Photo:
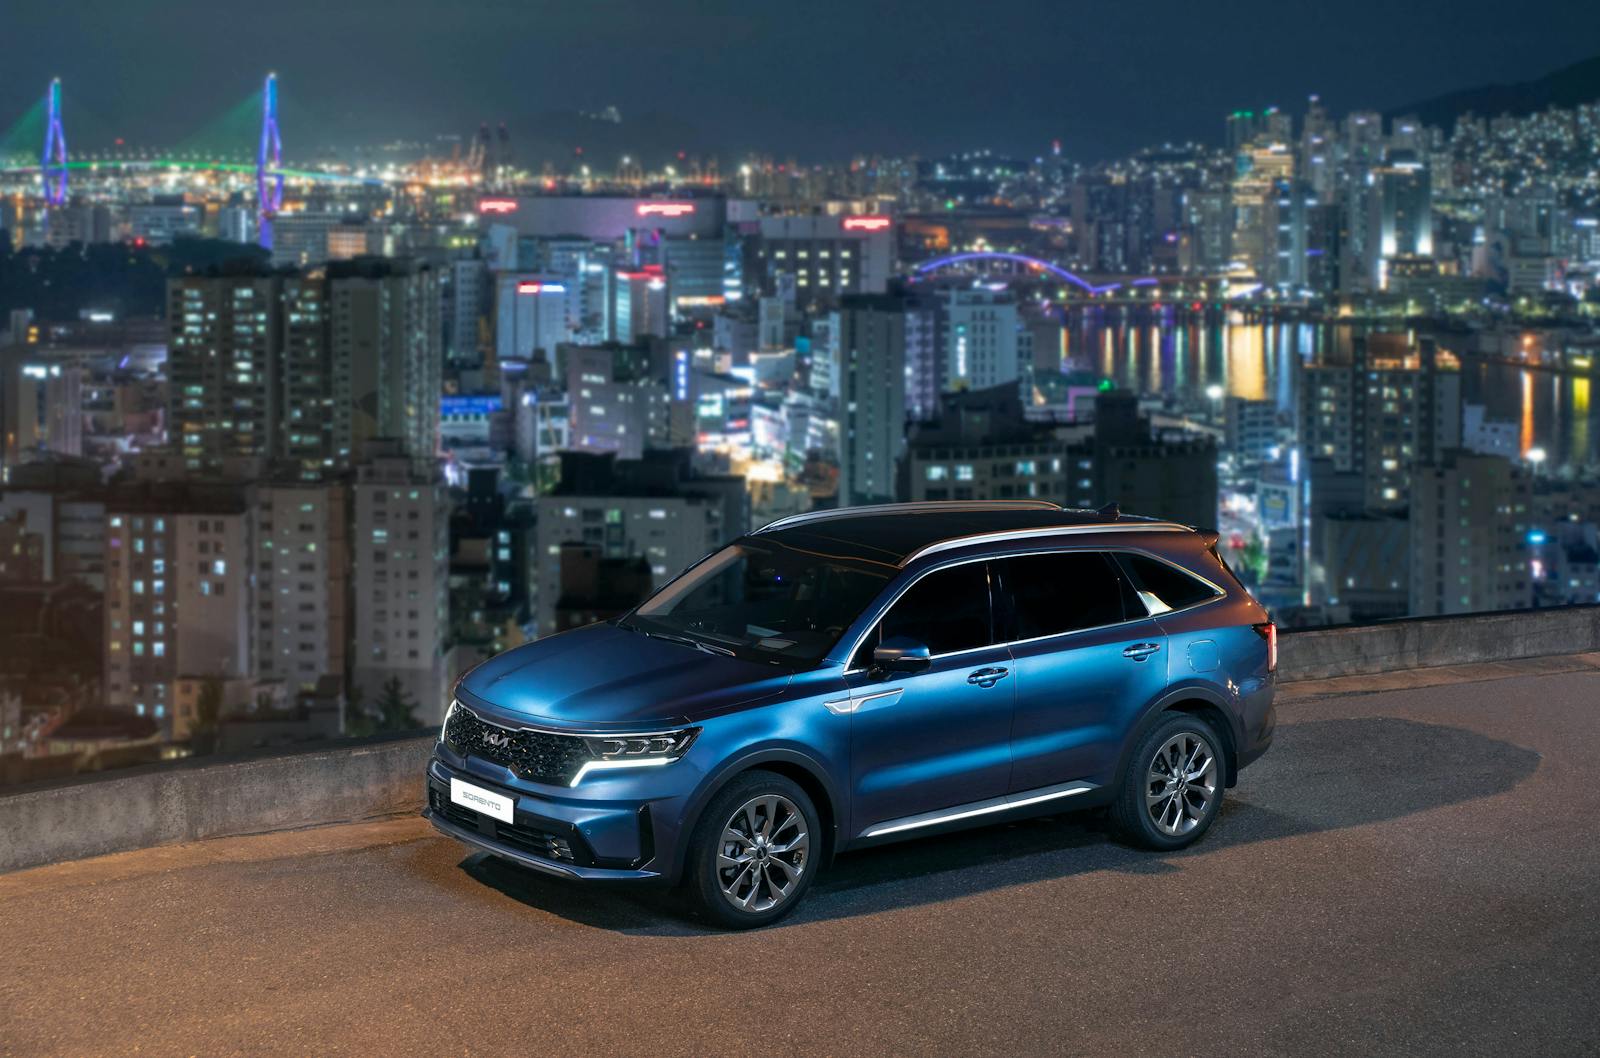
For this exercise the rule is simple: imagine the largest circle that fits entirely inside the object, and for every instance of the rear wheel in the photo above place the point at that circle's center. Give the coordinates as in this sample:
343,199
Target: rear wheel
1173,788
753,852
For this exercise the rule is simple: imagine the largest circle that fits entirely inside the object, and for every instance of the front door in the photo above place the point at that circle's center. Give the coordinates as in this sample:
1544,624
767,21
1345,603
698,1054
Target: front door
939,737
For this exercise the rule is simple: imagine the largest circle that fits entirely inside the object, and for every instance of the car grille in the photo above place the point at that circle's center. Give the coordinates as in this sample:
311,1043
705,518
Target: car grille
534,755
540,842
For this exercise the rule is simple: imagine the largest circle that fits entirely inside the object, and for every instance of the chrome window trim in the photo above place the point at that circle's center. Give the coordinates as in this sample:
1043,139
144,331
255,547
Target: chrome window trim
915,507
1005,535
1063,550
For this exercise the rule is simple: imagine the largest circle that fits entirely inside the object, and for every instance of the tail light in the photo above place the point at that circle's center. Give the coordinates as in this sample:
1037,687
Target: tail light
1269,632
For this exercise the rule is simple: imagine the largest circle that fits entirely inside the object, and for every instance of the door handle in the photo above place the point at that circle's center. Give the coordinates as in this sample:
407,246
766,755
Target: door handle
1141,651
987,677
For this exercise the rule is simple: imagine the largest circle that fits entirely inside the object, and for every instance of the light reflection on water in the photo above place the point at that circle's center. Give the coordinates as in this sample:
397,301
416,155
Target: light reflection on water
1260,360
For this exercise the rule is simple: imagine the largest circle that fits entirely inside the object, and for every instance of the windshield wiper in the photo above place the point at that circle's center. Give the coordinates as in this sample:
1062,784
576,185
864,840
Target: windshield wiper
686,641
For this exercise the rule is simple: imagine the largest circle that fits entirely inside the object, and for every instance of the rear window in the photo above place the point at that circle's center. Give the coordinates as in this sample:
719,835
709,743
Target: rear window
1171,587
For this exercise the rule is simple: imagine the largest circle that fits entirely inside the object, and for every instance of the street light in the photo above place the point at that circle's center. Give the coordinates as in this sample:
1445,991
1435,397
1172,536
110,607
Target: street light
1536,457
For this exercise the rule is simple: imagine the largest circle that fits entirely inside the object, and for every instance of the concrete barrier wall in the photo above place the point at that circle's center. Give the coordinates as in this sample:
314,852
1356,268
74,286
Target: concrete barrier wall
1427,642
195,800
168,805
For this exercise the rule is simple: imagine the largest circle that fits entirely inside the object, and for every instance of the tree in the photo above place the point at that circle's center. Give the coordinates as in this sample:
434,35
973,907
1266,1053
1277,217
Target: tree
396,708
207,717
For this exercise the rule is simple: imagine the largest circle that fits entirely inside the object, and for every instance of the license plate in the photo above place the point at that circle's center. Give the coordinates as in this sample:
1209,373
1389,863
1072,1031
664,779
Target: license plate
491,804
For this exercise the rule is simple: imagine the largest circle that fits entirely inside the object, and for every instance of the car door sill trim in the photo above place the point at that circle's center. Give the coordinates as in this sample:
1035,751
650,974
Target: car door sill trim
978,808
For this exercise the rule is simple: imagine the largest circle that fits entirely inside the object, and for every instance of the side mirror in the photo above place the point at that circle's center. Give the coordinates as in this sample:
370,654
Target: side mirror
900,654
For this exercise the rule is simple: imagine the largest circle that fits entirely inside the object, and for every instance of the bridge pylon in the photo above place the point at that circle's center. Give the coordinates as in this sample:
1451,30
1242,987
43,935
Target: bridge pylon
269,163
53,162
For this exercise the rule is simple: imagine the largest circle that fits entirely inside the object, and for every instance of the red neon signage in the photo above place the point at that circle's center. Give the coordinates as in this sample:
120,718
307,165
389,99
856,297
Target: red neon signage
869,223
664,209
497,205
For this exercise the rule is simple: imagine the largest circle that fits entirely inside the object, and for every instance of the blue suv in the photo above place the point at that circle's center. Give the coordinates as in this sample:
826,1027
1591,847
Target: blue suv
845,678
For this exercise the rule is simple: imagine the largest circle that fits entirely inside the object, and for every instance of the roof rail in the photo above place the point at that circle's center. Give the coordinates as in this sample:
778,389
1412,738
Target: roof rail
1008,535
923,507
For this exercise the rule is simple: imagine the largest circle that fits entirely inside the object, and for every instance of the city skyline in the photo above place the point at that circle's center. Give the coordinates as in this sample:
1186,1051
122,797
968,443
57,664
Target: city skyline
703,81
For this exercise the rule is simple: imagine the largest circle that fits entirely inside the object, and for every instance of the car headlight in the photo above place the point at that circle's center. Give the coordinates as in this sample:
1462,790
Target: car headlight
652,750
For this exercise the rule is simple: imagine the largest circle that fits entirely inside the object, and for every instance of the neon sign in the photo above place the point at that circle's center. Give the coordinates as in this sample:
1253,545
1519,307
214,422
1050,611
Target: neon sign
870,223
529,287
497,205
664,209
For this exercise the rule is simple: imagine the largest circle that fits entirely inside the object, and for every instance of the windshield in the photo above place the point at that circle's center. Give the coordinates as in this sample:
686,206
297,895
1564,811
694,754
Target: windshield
763,602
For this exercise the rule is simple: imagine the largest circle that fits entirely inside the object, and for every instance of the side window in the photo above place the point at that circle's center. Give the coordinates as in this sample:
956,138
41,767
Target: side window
948,610
1051,594
1171,586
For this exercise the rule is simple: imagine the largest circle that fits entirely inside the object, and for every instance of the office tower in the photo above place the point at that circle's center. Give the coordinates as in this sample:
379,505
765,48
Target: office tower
465,307
179,598
1173,477
1262,170
872,420
827,256
1393,407
981,448
615,404
1207,236
1404,199
303,370
979,338
401,566
1318,155
41,404
652,509
530,315
302,565
1469,535
1250,429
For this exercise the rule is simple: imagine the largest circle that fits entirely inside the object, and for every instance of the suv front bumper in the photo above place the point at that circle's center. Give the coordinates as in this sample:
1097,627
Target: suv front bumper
578,841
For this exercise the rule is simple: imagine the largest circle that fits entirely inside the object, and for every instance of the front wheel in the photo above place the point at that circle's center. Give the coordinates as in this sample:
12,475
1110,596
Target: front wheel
753,853
1173,788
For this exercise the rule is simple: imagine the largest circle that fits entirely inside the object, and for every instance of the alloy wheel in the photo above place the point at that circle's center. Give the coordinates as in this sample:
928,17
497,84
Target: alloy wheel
762,853
1181,783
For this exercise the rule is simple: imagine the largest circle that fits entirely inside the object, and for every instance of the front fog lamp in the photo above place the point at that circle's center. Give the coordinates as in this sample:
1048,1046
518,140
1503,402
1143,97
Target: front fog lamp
613,752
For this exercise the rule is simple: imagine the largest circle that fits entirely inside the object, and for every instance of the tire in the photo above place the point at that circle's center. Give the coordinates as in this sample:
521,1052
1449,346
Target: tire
758,832
1151,811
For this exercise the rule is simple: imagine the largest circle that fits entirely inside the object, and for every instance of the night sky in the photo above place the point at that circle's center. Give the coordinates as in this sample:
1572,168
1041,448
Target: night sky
819,79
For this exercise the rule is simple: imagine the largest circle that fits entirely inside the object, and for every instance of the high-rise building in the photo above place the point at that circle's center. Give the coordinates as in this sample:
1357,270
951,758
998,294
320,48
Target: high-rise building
1392,407
1404,200
531,315
979,329
304,370
179,598
652,509
401,568
615,405
1469,535
302,568
873,336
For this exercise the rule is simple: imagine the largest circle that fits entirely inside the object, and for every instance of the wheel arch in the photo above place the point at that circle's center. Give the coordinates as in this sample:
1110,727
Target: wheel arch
1196,699
798,767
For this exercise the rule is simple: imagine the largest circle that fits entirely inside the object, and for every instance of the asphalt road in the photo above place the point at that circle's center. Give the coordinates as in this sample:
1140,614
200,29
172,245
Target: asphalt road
1411,872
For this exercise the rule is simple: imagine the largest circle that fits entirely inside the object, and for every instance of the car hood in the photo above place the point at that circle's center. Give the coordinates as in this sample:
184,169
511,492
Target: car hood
607,677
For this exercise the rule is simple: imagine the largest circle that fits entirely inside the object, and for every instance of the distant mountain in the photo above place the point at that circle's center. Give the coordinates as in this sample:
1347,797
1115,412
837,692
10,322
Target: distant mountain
652,138
1568,87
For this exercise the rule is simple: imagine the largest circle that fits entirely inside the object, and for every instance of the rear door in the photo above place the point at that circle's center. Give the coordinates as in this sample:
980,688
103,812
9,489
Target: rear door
1088,658
940,737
